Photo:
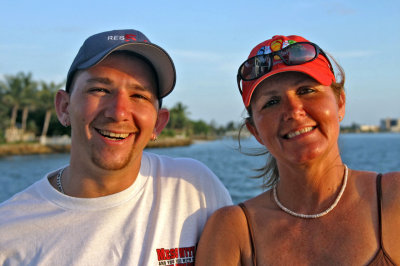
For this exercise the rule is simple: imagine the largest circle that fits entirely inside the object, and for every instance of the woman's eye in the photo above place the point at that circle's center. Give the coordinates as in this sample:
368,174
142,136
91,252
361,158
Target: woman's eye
305,90
271,102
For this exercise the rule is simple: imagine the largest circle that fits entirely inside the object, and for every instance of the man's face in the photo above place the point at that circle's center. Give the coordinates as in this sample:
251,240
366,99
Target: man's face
113,111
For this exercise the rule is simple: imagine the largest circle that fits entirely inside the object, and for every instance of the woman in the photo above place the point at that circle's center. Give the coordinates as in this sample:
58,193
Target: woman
318,211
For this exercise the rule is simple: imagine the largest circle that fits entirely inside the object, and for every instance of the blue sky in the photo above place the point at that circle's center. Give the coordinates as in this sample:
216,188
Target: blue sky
208,40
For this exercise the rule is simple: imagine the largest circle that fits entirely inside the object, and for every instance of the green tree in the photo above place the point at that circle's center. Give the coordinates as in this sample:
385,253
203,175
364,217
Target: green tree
14,87
46,101
28,98
200,128
230,126
178,117
3,115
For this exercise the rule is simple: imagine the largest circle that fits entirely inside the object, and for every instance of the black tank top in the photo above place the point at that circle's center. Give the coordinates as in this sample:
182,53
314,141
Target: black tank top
381,257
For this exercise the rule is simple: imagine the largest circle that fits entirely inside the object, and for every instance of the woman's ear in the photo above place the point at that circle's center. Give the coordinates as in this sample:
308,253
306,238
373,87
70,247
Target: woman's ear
61,103
253,130
342,105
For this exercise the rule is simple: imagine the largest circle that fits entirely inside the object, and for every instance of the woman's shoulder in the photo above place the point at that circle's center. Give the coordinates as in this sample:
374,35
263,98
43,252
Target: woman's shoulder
391,190
390,183
391,177
225,239
227,218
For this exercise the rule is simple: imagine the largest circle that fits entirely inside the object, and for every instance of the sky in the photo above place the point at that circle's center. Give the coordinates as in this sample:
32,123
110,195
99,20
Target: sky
208,40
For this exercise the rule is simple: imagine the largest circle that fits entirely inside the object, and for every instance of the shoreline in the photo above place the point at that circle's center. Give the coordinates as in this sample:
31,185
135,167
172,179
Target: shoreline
37,148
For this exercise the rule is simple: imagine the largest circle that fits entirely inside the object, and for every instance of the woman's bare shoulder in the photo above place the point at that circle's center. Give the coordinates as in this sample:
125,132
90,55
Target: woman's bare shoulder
225,221
391,190
224,240
392,177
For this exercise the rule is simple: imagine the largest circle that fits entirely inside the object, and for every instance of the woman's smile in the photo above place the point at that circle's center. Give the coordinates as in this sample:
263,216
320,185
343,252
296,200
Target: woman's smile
300,132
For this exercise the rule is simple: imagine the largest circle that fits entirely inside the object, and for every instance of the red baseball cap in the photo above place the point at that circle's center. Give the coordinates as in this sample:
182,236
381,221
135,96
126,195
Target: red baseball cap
319,69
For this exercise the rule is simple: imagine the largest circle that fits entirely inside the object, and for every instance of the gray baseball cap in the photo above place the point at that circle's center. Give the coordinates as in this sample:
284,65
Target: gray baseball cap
99,46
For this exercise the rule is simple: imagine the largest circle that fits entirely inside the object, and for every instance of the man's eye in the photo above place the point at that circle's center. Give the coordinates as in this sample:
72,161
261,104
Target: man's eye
139,96
98,90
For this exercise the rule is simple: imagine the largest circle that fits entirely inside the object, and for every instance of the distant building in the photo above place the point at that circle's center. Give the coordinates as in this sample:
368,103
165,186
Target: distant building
369,128
390,124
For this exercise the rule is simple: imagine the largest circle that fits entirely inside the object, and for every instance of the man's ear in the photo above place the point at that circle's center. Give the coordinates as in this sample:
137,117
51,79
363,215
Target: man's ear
254,132
61,103
342,105
162,121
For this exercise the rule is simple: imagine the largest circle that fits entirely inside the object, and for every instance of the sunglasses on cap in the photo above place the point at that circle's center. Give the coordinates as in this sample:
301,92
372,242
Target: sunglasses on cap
294,54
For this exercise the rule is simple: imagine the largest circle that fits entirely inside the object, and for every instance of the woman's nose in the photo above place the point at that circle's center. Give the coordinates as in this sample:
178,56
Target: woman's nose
293,108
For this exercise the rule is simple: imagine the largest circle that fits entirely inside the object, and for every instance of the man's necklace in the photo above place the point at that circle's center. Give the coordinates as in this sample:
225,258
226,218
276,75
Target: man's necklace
313,216
59,185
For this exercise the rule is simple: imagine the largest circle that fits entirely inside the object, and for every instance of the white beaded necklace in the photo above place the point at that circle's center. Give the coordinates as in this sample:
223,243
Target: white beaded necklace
59,185
313,216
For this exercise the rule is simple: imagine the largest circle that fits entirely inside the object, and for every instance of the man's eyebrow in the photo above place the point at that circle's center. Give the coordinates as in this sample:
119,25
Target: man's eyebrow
137,87
106,81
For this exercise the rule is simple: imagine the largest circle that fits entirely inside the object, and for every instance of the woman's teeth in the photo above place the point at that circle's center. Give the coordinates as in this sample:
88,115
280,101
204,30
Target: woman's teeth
299,132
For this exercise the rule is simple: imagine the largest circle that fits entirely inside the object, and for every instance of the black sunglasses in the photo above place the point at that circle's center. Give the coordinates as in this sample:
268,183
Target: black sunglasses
294,54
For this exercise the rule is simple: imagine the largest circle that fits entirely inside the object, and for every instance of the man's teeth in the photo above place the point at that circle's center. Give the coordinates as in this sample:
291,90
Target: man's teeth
301,131
110,134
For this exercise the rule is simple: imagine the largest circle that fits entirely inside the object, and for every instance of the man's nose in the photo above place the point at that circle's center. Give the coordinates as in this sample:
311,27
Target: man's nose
118,107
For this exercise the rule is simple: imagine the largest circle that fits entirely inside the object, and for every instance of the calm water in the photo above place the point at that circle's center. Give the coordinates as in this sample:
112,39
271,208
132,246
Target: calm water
375,152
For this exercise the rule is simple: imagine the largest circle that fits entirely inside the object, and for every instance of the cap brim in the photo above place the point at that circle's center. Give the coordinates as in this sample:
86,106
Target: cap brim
158,57
319,72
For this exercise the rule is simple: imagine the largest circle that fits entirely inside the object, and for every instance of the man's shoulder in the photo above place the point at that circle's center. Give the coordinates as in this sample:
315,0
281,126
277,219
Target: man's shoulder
191,172
21,202
181,165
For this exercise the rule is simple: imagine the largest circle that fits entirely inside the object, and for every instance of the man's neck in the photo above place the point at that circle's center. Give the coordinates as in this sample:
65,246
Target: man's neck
89,181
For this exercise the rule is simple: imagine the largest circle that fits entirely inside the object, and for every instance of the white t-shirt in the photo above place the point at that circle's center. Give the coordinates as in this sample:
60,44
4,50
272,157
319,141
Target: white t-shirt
156,221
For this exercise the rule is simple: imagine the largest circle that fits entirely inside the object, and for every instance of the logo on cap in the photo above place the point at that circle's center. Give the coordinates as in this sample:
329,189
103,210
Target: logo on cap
274,46
126,38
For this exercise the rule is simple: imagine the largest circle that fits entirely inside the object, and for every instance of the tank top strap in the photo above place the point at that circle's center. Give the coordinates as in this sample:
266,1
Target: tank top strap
379,198
253,250
384,255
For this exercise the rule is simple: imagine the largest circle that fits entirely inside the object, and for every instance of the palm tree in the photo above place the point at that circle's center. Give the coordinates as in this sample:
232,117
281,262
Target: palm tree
28,101
46,100
3,114
12,90
18,91
178,117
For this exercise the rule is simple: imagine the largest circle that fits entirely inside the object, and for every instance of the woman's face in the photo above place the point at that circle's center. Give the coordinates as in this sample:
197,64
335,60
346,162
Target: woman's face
296,118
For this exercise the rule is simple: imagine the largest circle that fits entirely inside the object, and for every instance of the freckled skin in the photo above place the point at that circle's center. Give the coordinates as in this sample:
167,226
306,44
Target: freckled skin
310,177
290,102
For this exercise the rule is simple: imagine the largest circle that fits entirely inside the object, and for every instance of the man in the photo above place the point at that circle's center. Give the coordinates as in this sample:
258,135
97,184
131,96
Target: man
114,204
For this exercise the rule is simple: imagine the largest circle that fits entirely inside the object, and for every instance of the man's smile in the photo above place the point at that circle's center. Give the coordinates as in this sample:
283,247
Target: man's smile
113,135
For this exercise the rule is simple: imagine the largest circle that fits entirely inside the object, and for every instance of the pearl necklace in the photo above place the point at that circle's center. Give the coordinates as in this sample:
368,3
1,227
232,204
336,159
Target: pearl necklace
313,216
59,185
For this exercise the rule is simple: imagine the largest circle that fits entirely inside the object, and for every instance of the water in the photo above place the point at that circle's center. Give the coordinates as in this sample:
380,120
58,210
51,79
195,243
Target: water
374,152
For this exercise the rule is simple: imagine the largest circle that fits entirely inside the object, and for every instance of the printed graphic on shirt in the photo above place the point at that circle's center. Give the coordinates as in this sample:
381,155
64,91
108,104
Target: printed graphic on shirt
176,256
